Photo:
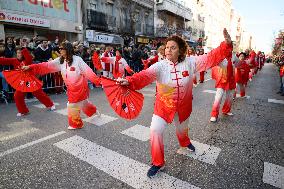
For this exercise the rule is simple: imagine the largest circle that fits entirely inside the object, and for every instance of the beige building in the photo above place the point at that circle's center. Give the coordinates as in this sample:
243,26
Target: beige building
217,16
197,24
236,29
170,18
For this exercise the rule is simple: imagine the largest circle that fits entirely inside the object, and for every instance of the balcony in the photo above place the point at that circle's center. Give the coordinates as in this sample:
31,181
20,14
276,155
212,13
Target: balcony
146,3
174,8
100,21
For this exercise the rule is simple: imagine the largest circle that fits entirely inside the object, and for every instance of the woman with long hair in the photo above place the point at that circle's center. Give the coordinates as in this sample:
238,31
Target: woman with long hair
75,73
173,77
24,58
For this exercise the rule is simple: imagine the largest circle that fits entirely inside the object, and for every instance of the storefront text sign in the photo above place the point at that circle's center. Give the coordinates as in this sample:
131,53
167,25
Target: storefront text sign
103,39
21,19
61,9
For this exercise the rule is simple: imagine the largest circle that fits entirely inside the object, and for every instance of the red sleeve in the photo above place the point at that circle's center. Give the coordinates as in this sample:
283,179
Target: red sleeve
28,57
46,67
9,61
142,79
213,58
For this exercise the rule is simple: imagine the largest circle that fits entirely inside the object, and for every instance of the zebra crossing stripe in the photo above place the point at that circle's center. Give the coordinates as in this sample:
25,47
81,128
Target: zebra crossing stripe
276,101
62,111
99,121
17,129
119,166
209,91
43,106
31,143
273,175
138,131
204,152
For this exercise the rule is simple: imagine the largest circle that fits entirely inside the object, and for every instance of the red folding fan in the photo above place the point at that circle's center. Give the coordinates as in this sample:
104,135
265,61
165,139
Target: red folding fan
125,102
23,81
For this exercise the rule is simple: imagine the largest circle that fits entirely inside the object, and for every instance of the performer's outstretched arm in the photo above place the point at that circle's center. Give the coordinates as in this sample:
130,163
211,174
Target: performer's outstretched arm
44,67
215,56
141,79
9,61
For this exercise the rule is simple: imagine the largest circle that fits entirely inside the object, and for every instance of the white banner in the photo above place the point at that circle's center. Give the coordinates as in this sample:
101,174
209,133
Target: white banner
21,19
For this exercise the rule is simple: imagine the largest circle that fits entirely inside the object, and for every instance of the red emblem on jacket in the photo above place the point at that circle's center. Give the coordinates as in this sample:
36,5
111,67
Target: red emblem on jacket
185,73
72,68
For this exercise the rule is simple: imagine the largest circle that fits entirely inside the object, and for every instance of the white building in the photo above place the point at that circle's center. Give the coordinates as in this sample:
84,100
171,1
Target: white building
217,17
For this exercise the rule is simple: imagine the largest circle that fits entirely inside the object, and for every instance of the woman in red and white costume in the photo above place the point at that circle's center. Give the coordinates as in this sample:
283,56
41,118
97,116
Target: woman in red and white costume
156,58
24,58
75,73
191,52
173,103
223,74
119,64
107,68
242,74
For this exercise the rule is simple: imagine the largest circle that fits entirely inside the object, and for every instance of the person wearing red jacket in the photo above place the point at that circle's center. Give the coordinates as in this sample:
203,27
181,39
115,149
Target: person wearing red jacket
97,61
252,63
107,67
75,73
24,58
242,74
173,103
223,74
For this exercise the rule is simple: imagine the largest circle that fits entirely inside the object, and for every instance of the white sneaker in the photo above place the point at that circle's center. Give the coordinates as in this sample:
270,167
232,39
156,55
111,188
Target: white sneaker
213,119
71,128
194,85
98,113
52,108
19,114
229,114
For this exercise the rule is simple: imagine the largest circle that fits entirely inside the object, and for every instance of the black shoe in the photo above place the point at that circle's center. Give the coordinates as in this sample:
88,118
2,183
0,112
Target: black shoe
154,170
279,92
191,147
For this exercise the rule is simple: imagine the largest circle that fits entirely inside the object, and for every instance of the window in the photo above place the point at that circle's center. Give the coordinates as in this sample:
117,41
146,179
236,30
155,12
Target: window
93,4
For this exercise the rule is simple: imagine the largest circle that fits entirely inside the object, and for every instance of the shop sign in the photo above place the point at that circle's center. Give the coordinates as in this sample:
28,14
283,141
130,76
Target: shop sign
21,19
142,40
103,39
61,9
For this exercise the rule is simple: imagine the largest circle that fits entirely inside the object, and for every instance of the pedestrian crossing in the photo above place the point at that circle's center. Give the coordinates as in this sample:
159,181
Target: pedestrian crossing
119,166
273,175
130,171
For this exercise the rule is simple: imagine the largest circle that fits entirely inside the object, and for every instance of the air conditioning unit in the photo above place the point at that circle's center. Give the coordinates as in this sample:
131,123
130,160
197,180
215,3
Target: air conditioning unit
159,1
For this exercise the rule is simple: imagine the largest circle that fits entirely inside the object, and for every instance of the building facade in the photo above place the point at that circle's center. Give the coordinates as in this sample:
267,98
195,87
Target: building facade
197,24
217,16
118,22
49,18
170,18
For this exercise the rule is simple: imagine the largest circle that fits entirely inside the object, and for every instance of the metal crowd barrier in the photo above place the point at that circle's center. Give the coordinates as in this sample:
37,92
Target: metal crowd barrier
50,81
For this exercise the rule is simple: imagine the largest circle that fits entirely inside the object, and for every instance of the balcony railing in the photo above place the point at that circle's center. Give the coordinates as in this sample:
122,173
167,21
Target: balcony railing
96,20
175,8
100,21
